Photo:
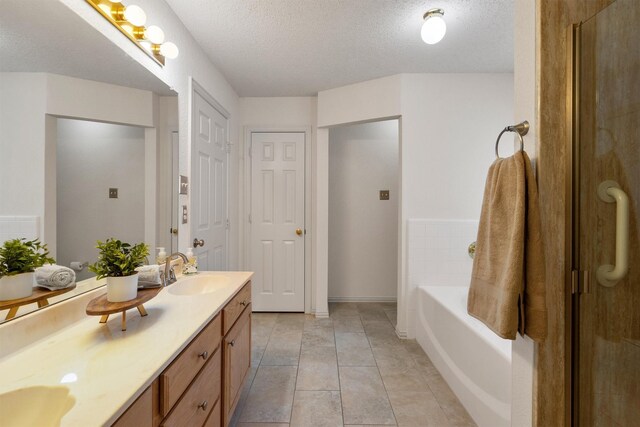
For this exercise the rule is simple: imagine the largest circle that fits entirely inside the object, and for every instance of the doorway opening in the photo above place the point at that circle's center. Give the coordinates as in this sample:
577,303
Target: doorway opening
364,206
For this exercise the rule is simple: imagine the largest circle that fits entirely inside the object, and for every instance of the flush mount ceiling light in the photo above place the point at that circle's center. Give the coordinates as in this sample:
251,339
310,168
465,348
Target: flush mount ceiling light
434,27
130,21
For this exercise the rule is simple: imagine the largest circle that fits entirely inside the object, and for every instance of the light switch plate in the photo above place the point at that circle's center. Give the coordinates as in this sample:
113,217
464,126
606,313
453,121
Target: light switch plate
113,193
184,214
184,185
384,194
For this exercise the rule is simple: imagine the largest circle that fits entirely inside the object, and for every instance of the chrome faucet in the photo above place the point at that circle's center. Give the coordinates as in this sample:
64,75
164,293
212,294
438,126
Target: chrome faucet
169,274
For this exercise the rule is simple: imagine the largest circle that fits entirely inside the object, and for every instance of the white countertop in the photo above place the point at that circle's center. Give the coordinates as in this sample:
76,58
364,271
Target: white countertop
112,368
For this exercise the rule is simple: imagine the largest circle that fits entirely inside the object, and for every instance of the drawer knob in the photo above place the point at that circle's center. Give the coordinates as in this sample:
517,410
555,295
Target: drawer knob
232,343
203,405
243,303
204,355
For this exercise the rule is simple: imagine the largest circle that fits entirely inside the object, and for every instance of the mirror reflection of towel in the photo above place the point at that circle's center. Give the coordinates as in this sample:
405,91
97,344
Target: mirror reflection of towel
149,273
507,291
54,277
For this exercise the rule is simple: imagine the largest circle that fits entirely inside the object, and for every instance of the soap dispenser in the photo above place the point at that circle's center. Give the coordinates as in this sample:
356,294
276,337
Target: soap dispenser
191,257
192,264
162,256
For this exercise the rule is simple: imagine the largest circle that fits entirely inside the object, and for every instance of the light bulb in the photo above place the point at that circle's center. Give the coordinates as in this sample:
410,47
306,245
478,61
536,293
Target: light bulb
116,1
154,34
135,15
169,50
434,27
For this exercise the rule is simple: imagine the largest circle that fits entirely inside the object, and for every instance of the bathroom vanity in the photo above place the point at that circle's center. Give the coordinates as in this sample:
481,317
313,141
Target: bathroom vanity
202,385
182,365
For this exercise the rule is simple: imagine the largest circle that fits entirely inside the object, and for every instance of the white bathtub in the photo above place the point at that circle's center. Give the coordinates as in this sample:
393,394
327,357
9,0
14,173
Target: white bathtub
474,361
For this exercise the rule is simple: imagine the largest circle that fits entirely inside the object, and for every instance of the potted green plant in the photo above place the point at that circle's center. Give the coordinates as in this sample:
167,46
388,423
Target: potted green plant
18,260
117,262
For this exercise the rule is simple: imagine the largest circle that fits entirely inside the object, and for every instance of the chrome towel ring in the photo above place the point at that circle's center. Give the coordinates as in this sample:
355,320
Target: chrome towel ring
521,129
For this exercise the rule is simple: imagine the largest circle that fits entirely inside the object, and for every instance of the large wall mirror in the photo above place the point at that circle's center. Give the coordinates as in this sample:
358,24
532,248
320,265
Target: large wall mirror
78,119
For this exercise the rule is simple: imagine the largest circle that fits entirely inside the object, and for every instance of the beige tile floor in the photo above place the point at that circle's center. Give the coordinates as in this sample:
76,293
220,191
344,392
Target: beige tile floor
347,370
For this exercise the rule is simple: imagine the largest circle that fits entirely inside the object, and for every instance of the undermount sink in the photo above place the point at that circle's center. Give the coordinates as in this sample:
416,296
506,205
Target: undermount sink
40,406
203,283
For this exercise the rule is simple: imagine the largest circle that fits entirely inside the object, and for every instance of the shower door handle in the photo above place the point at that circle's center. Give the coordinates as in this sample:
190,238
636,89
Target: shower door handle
609,275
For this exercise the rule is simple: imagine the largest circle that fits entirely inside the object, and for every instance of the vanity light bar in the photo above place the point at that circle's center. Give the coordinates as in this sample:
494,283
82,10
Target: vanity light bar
131,24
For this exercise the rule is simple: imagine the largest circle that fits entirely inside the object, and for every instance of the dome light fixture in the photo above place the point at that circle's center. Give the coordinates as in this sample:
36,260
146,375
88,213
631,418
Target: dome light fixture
434,27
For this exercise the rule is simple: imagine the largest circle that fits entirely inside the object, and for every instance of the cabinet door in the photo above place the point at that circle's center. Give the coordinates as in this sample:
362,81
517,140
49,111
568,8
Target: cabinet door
237,359
139,414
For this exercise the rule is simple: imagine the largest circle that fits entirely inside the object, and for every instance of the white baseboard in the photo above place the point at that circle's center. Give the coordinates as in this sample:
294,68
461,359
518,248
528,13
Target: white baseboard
402,334
363,299
321,315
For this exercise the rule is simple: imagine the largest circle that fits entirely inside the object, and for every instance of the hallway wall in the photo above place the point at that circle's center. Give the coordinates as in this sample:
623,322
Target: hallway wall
363,233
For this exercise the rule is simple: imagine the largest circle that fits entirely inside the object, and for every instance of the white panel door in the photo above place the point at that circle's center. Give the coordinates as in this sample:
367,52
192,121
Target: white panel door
209,192
277,221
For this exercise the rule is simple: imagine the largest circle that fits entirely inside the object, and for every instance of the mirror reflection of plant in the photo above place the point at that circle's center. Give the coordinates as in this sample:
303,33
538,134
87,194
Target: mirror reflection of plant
118,259
23,256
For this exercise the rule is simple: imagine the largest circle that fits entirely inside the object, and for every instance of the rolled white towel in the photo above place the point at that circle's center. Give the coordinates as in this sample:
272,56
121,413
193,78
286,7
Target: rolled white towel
54,277
149,273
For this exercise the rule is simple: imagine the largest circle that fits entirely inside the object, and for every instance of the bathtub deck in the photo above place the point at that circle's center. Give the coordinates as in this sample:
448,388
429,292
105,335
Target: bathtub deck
350,369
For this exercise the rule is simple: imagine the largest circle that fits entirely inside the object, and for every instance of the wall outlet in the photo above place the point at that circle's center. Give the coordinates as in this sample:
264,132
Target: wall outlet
384,194
113,193
184,214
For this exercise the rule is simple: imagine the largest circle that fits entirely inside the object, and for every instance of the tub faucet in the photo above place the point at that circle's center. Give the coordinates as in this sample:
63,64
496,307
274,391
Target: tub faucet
169,273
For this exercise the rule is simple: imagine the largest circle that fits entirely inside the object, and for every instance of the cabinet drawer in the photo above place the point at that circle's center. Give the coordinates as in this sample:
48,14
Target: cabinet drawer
234,308
177,377
198,400
214,419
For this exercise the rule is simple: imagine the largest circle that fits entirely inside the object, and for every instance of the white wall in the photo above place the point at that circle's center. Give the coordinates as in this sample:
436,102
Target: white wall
192,62
91,158
22,125
278,111
363,233
28,102
448,126
373,99
525,108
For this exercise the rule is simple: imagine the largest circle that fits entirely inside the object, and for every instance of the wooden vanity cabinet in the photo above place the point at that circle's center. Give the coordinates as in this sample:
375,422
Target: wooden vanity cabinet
202,385
237,361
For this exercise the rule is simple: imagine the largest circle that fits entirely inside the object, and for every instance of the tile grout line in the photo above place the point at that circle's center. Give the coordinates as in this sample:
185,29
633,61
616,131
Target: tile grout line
258,364
380,373
295,383
335,342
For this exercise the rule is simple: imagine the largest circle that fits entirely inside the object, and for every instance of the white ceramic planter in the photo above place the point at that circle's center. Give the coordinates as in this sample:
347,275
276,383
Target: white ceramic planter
121,289
17,286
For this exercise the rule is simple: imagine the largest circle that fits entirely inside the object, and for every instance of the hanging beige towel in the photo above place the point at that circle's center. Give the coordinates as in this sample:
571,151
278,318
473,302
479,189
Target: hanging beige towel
507,291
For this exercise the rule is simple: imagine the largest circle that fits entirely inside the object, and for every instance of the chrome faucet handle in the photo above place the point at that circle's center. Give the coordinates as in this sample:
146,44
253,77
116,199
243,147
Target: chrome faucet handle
169,273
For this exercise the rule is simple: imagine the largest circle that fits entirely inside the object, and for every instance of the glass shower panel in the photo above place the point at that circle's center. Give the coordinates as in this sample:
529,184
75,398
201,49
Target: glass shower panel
608,375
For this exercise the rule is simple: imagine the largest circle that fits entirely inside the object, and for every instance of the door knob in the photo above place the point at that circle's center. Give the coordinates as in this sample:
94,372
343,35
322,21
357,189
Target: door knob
197,243
173,230
299,231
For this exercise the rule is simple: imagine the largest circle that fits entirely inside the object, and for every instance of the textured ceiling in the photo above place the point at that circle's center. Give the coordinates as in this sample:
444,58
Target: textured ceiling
300,47
51,38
